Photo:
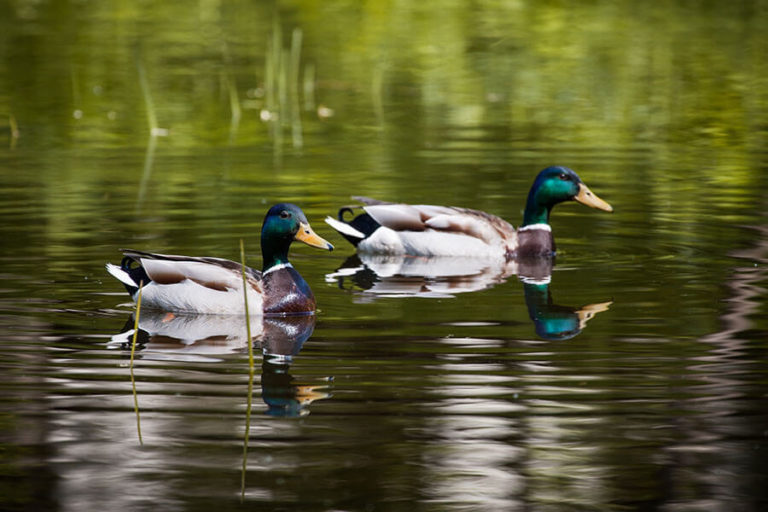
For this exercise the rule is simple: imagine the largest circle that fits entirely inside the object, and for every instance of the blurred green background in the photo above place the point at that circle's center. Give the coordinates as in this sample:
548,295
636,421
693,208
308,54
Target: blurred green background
172,126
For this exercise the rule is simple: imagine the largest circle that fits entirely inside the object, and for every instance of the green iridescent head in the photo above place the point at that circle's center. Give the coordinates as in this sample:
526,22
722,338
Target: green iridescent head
554,185
283,224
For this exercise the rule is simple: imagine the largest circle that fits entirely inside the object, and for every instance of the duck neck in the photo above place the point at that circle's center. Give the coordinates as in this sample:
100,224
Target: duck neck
534,237
536,212
273,252
537,297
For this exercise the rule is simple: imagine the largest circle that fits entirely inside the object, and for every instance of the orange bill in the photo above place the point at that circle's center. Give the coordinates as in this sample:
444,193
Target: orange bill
311,238
587,197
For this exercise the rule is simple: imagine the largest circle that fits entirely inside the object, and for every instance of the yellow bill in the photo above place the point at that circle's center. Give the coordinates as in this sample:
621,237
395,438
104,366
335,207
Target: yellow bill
587,197
309,237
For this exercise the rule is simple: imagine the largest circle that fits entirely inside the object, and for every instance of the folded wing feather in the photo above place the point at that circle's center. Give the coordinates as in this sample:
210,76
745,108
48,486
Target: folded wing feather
205,274
399,217
478,224
214,273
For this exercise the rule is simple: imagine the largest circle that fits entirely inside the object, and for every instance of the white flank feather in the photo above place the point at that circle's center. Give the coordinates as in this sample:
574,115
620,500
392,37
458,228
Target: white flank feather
382,241
190,297
427,243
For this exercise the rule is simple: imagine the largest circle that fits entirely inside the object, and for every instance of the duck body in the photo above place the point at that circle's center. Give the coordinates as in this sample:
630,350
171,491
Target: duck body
428,231
207,285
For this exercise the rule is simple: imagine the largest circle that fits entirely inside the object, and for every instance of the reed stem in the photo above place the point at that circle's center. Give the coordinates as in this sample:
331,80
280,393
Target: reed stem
251,373
133,352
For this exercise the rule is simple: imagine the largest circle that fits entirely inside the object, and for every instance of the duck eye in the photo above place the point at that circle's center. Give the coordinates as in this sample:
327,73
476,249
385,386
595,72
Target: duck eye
564,176
285,214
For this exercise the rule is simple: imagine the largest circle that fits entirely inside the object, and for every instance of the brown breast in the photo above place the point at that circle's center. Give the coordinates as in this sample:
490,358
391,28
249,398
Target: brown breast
534,243
286,293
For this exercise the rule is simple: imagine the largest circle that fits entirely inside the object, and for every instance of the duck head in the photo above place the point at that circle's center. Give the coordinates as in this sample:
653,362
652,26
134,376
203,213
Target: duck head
283,224
554,185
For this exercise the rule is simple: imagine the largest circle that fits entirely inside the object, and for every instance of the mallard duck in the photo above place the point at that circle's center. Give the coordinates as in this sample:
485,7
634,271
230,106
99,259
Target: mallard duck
425,230
214,285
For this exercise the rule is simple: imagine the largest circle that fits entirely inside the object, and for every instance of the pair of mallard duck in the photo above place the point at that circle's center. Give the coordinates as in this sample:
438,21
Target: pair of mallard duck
214,285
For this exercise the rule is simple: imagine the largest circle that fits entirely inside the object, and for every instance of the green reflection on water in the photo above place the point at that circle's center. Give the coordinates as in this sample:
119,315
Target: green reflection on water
661,108
415,93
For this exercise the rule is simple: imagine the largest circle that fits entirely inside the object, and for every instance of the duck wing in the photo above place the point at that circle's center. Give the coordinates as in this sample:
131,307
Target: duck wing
449,219
215,273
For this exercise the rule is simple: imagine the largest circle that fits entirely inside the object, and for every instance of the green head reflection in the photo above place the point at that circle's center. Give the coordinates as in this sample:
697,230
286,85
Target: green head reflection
555,322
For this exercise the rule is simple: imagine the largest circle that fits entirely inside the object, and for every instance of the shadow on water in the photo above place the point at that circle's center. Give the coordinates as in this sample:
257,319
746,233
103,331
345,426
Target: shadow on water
406,276
168,336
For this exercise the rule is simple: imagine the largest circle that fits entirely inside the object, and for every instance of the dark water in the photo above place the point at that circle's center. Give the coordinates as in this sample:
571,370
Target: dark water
634,378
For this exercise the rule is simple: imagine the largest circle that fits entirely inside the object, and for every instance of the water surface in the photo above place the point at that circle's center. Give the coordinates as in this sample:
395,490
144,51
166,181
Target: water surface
633,378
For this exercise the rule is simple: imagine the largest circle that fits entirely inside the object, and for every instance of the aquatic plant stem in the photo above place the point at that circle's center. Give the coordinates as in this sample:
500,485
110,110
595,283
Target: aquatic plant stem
283,88
150,106
377,95
133,351
77,102
293,74
14,126
245,305
234,99
251,373
309,87
154,129
149,160
247,435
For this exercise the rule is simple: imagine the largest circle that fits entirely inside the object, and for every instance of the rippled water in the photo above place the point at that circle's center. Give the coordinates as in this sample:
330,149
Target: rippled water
634,378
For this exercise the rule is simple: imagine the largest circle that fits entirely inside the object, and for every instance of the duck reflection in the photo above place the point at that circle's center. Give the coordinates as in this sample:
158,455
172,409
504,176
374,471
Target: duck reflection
284,394
201,337
555,322
406,276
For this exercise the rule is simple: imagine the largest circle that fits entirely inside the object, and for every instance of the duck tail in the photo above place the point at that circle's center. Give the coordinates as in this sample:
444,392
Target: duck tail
343,210
346,230
355,230
131,277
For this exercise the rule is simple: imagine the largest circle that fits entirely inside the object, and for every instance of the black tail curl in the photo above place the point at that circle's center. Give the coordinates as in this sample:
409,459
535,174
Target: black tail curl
137,273
343,210
364,223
